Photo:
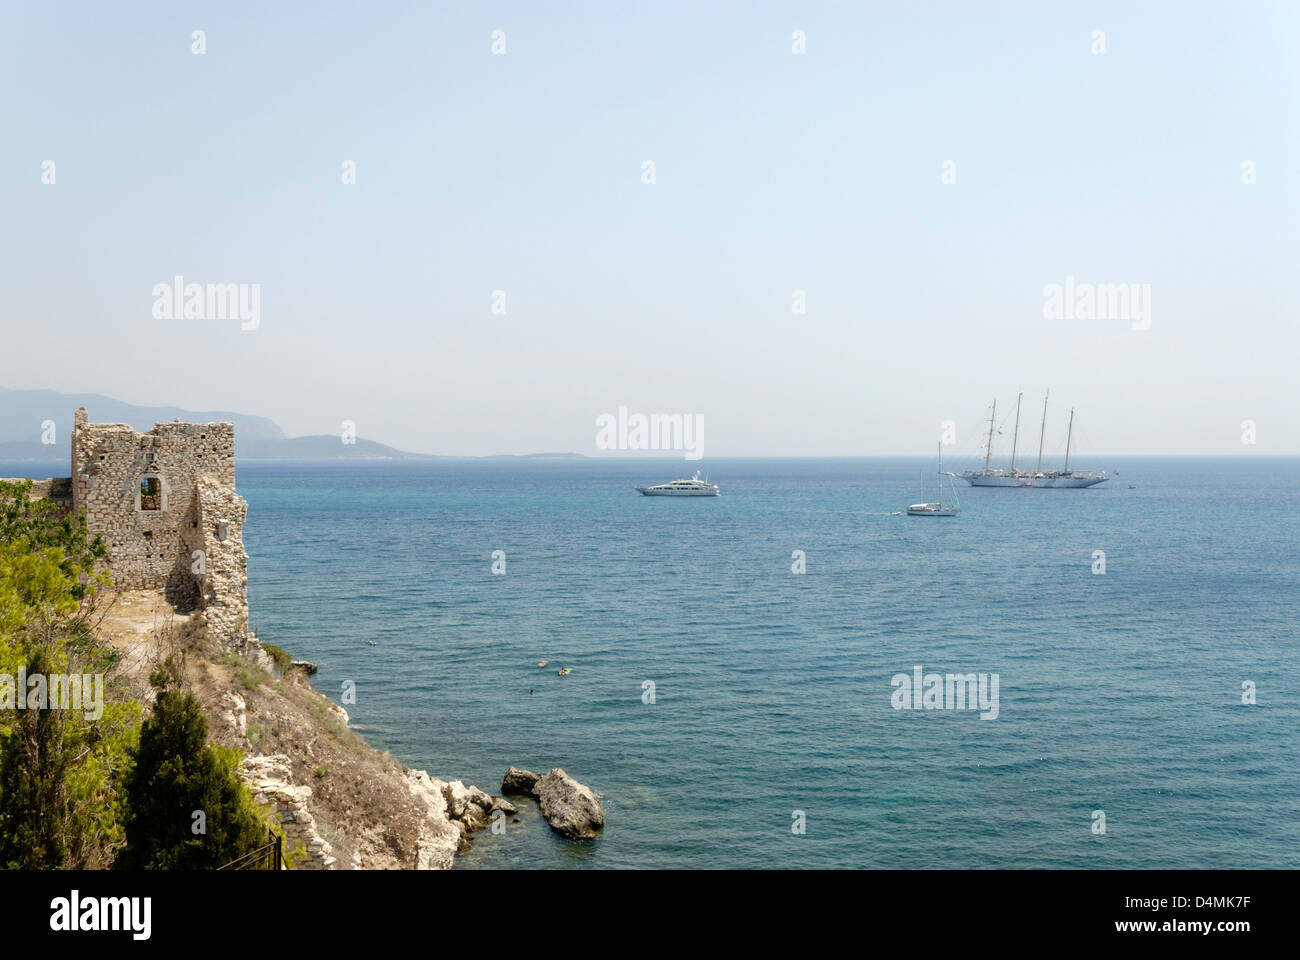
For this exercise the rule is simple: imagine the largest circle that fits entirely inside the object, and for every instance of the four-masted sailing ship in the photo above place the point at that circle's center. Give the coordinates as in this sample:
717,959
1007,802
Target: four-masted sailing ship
1038,477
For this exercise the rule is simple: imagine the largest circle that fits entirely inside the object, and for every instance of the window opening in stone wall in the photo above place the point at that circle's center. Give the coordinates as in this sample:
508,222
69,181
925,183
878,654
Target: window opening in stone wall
150,494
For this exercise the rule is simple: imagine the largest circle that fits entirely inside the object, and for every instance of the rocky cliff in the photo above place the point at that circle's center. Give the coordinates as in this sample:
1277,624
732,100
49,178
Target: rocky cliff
342,803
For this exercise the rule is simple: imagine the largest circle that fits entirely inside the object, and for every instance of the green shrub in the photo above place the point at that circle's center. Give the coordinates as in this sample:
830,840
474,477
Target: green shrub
280,656
178,774
61,771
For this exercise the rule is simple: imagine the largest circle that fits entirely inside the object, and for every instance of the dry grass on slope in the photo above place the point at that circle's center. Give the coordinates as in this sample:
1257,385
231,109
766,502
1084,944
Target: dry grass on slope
360,797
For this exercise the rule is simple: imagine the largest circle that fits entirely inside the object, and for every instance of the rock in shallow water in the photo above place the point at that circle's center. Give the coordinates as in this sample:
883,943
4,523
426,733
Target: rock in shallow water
474,817
571,809
519,781
458,798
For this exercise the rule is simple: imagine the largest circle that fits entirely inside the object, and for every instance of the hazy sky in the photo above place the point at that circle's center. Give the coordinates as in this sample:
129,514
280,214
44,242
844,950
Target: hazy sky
774,173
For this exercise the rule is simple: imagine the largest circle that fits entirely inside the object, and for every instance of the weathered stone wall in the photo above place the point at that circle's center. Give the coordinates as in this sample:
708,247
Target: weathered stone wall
165,503
223,589
269,779
57,490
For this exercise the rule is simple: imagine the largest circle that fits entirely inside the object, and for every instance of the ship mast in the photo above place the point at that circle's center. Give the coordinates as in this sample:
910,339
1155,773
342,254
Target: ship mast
1041,431
1015,436
1068,435
988,451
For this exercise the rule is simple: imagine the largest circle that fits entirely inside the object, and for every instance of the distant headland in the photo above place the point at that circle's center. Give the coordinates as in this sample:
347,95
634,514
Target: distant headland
35,425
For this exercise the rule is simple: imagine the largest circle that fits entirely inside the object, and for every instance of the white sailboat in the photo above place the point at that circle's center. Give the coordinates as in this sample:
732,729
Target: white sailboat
936,508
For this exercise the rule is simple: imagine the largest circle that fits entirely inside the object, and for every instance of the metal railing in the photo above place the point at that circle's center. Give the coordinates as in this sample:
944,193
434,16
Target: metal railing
269,856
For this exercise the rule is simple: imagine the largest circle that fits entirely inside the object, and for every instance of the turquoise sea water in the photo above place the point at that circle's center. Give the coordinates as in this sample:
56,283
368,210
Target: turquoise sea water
1118,692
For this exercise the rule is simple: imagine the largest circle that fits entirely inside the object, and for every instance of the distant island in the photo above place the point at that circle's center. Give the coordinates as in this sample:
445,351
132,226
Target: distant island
24,413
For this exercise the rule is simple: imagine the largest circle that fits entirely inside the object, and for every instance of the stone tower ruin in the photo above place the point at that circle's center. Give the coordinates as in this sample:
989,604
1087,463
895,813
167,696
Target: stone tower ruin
165,503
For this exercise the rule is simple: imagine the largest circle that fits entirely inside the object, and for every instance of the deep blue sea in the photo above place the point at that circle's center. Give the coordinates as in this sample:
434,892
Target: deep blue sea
1118,692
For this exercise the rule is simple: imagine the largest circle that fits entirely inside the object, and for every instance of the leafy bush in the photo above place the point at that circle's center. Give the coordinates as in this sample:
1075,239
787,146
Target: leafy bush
61,770
177,775
281,657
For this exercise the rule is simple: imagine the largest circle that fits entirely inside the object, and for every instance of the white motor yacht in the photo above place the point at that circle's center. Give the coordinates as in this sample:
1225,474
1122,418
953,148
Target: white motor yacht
694,487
